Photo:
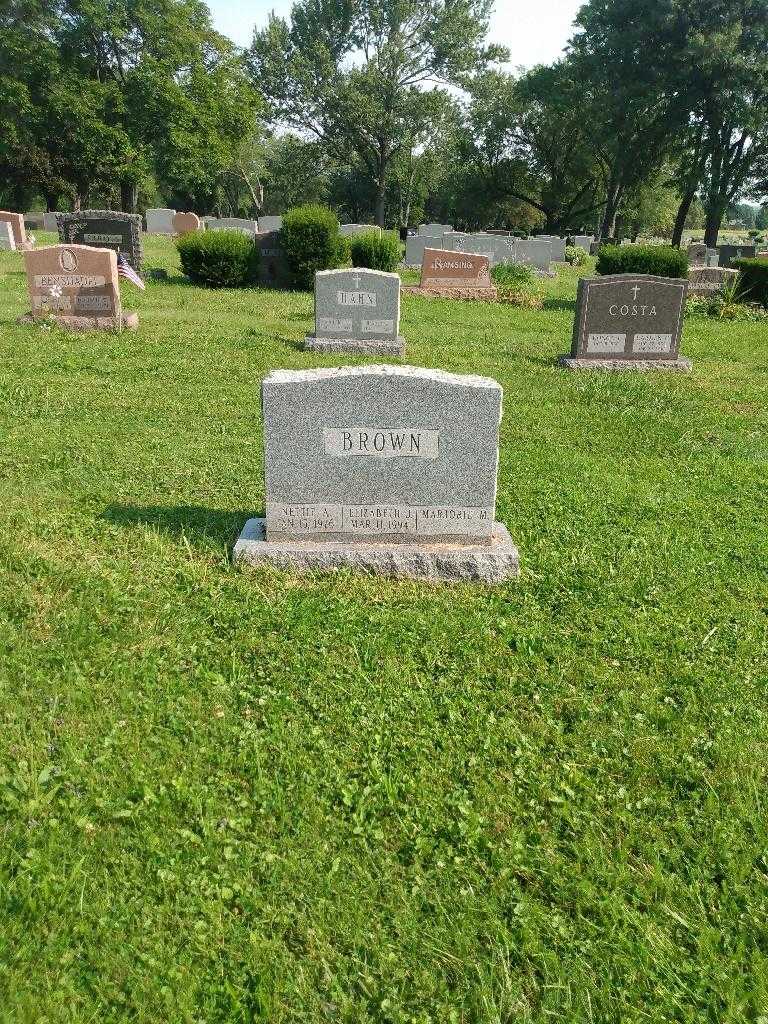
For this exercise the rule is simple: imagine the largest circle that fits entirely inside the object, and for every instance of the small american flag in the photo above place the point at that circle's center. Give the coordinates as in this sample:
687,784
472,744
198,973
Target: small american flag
124,269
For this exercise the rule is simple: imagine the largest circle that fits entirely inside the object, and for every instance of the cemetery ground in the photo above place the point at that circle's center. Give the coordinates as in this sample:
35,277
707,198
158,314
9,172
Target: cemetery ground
232,796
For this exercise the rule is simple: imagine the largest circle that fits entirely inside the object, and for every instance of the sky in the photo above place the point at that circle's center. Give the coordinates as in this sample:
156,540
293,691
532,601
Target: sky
534,32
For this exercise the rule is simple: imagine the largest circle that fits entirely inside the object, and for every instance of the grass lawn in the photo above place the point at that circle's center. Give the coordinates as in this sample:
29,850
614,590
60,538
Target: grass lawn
233,796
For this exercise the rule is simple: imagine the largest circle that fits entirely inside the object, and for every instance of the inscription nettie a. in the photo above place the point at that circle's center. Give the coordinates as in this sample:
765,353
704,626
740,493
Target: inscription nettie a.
382,443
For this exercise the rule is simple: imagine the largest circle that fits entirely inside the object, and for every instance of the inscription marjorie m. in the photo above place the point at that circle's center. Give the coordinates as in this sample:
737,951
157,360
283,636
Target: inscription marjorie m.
383,443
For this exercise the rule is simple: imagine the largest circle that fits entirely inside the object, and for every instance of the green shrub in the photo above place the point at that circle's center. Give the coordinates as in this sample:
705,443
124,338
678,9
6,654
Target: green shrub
376,251
513,275
661,260
576,255
310,239
753,279
219,259
343,251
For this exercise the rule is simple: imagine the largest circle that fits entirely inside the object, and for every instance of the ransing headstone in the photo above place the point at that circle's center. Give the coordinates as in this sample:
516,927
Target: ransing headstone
357,312
729,253
104,229
16,221
184,223
387,469
273,263
78,286
453,274
7,241
270,223
159,221
697,254
248,227
628,322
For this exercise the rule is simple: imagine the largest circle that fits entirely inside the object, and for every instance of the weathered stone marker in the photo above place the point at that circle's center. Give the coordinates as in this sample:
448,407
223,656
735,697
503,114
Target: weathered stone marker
357,312
697,254
390,469
159,221
183,223
77,285
273,263
729,253
18,228
7,241
628,322
104,229
270,223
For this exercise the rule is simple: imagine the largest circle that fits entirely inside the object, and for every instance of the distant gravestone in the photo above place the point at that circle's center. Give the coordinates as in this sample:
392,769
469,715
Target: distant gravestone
451,274
434,230
49,222
584,242
387,469
16,222
704,282
159,221
415,246
558,246
628,321
248,227
534,253
349,230
78,285
697,254
184,223
273,263
729,253
357,312
104,229
7,241
270,224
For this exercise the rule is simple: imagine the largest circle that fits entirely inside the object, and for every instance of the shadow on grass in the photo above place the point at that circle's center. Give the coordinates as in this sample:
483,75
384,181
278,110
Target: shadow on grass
563,305
198,525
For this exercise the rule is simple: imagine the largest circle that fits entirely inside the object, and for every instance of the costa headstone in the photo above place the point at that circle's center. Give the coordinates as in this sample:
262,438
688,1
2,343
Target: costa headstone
104,229
729,253
452,274
16,222
628,322
357,312
269,223
387,469
7,241
273,263
78,285
184,223
247,227
159,221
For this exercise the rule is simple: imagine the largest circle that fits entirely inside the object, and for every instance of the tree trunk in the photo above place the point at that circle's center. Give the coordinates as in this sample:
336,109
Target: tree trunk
612,203
129,196
715,214
682,216
380,203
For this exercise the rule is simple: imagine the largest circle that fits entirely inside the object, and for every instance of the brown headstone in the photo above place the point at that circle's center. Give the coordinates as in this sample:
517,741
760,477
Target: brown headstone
458,274
183,223
77,284
16,220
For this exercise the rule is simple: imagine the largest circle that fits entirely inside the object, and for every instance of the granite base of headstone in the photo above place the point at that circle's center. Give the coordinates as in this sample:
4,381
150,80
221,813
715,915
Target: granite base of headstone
389,470
357,312
76,287
628,322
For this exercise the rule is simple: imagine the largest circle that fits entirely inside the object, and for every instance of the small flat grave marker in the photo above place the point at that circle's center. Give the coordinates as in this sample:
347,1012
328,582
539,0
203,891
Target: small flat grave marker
356,312
628,322
388,469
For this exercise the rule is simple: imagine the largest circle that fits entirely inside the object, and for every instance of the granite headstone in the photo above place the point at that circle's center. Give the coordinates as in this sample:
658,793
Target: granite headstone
159,221
16,221
104,229
357,312
7,241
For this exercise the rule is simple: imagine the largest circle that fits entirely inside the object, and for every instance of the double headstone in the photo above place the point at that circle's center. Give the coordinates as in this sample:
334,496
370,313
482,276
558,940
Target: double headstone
78,285
387,469
104,229
159,221
558,246
628,322
357,312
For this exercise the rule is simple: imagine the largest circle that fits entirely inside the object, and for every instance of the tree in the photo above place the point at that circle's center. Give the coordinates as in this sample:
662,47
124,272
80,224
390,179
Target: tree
361,76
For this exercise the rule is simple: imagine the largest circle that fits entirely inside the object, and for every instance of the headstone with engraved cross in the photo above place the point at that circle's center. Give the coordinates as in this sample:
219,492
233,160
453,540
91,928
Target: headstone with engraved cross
357,312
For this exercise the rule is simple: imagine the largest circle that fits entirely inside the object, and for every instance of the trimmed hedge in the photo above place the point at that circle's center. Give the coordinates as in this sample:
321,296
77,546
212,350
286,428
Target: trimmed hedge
660,260
310,239
753,279
219,259
376,251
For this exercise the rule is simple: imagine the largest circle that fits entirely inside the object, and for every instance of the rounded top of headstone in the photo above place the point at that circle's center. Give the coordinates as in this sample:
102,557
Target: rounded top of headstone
382,370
